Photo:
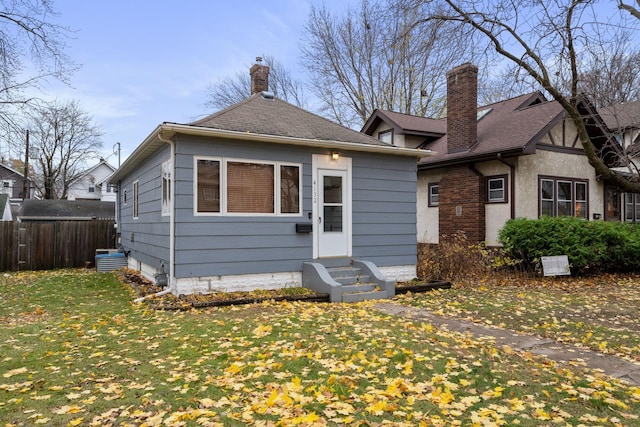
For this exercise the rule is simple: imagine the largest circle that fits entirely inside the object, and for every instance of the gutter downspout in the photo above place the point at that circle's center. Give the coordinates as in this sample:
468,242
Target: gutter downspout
172,226
512,187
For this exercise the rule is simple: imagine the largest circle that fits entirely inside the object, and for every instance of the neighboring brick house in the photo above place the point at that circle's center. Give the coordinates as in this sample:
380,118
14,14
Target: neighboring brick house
520,157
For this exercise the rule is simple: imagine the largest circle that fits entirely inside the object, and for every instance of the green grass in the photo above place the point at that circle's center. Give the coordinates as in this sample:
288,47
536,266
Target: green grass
600,313
75,351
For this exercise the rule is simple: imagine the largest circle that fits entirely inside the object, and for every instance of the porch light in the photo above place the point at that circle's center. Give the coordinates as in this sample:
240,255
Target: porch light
335,155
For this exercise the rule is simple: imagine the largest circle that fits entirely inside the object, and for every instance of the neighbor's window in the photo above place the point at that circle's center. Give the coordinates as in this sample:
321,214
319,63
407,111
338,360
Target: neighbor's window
166,188
135,200
563,197
92,189
208,186
497,189
386,136
632,207
247,187
434,194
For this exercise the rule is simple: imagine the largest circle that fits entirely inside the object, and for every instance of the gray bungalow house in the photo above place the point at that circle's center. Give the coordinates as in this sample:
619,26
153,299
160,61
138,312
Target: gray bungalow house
264,195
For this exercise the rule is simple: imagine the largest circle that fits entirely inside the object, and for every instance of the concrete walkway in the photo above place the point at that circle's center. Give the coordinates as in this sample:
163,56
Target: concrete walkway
613,366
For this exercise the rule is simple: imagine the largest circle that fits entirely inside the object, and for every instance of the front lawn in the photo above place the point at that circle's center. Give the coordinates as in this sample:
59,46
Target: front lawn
74,350
600,313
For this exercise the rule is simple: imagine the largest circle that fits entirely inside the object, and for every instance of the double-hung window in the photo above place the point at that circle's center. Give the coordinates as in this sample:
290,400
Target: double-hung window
497,189
434,194
563,197
247,187
632,207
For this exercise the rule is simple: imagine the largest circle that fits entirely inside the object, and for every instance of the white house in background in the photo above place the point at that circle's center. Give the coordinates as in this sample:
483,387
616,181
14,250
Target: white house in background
93,184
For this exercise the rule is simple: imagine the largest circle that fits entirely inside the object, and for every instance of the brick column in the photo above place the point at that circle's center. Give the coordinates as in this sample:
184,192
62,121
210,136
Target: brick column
462,203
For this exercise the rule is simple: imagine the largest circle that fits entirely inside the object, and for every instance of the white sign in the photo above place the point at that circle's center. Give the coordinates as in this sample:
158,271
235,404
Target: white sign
556,265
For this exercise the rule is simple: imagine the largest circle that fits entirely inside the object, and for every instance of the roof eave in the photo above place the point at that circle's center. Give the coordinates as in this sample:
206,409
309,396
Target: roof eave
167,131
520,151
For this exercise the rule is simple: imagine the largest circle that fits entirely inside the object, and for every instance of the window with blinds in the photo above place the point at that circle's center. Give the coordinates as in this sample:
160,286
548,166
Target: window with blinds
229,186
250,188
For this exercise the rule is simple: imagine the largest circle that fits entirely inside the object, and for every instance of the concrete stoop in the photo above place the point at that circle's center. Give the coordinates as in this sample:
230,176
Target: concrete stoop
347,279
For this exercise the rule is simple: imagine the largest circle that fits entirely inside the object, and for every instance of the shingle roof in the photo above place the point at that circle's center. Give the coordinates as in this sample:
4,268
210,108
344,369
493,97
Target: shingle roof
67,209
406,123
510,126
271,116
621,116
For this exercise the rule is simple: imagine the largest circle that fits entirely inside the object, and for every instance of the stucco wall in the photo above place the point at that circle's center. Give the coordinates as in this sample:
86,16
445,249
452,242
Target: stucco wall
428,217
559,164
496,214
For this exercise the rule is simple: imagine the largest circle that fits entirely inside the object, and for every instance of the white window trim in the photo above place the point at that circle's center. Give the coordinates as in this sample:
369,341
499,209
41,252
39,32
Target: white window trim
278,194
430,202
136,202
503,189
223,187
165,208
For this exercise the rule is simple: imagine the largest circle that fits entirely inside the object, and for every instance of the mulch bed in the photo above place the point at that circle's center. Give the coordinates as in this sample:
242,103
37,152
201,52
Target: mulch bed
143,287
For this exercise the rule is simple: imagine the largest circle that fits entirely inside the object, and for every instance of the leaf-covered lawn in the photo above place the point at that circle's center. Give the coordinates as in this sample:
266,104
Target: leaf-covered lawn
75,351
600,313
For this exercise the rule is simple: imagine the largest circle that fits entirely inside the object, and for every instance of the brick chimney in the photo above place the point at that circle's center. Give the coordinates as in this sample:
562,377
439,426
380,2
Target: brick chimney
259,77
462,107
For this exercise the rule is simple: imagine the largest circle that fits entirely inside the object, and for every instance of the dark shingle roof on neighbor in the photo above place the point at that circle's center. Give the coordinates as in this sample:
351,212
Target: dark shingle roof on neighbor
265,115
621,116
510,126
66,210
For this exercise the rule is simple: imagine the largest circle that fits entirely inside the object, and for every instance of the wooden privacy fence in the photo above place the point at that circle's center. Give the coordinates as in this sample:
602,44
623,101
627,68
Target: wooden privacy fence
59,244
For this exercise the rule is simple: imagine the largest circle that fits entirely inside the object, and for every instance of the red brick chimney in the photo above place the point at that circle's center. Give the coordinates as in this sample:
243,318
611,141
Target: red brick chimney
259,77
462,107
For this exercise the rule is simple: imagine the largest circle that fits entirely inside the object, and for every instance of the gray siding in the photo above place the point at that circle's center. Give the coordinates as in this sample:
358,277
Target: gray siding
151,230
384,214
384,209
227,245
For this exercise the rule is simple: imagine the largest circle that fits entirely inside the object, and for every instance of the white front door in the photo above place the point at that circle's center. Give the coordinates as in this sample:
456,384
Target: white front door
332,210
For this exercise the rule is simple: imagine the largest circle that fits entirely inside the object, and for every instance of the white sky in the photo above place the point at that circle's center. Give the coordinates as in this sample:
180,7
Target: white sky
149,61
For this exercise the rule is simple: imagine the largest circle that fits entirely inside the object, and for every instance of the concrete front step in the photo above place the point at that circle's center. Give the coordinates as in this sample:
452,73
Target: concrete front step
363,296
347,280
348,275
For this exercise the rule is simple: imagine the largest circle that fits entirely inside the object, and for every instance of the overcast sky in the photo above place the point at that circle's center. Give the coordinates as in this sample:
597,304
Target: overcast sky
149,61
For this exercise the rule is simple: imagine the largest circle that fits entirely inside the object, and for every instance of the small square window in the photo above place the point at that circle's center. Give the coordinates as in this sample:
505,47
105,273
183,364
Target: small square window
497,189
386,136
92,189
434,194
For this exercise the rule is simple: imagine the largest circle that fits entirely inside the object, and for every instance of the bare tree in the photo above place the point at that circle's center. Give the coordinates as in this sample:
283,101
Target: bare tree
63,140
371,57
282,84
633,10
550,42
31,51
